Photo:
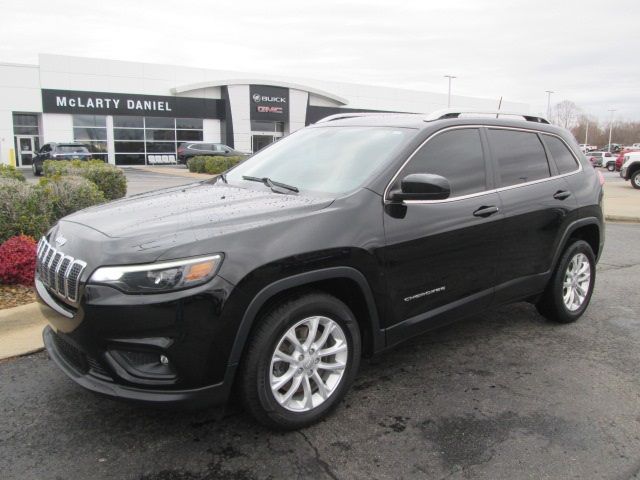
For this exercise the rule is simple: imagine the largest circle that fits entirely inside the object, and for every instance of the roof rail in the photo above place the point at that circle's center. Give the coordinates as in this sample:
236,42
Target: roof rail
456,112
340,116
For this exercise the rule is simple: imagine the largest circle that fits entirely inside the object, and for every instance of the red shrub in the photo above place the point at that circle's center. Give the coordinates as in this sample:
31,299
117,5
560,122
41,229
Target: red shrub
18,260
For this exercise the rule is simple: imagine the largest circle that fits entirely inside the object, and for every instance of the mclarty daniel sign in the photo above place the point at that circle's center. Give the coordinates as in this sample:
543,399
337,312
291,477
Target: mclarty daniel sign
269,103
102,103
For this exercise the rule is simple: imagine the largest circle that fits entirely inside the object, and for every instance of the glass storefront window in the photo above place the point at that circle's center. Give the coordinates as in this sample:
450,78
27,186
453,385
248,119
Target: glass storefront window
90,121
161,147
138,137
189,123
91,131
86,133
128,134
152,135
129,147
189,135
159,122
128,122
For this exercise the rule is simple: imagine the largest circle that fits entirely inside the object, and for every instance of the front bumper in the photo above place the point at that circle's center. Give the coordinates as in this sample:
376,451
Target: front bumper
88,378
623,173
114,344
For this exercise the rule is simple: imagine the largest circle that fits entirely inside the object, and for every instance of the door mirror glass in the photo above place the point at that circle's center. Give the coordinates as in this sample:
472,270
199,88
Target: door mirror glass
422,186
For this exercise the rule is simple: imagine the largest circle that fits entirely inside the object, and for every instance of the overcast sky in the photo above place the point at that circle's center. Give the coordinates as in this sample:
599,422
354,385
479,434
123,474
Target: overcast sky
586,51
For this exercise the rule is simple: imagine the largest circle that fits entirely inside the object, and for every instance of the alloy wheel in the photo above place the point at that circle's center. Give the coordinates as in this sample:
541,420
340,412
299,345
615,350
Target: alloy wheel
308,363
577,279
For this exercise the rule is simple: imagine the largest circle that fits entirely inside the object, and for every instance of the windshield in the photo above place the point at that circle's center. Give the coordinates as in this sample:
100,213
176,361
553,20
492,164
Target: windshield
324,159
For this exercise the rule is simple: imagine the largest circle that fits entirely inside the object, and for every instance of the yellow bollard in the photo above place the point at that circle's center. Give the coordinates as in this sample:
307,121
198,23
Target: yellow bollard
12,157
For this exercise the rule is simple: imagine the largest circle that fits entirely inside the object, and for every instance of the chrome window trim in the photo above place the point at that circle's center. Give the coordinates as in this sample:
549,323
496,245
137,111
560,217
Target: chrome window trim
386,198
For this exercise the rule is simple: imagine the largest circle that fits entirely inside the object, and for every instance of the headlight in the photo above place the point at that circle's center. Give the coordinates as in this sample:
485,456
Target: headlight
159,277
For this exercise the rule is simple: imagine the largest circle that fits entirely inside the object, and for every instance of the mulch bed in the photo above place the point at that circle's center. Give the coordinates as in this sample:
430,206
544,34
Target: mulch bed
15,295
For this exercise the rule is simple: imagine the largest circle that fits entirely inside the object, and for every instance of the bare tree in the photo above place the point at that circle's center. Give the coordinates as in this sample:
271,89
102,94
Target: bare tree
565,114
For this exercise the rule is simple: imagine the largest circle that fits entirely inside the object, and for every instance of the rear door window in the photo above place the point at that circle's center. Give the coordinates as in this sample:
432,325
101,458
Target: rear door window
520,156
456,155
565,161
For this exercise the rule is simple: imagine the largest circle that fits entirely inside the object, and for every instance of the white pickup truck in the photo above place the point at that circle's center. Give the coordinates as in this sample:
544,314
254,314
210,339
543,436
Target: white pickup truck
631,168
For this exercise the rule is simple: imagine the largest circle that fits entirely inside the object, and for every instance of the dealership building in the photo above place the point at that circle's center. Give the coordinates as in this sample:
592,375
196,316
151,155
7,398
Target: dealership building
130,113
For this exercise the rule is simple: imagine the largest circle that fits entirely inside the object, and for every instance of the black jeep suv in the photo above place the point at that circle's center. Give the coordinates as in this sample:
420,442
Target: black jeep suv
340,240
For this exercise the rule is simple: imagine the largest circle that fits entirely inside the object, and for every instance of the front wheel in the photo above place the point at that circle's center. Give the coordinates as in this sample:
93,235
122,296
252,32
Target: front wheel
300,362
611,167
635,180
569,291
36,171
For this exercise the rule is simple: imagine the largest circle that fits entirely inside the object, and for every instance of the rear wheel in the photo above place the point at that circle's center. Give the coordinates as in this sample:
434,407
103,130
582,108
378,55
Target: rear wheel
611,167
635,180
300,361
569,291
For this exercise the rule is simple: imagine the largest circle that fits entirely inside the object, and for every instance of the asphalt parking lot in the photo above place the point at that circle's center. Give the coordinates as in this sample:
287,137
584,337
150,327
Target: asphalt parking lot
503,395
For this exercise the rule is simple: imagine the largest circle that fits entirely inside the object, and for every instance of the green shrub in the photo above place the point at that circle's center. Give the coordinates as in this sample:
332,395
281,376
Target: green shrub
24,209
196,164
69,194
212,165
9,171
32,209
110,180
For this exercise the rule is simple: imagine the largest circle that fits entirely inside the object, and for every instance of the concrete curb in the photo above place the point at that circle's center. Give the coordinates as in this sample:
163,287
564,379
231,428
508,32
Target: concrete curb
621,218
21,330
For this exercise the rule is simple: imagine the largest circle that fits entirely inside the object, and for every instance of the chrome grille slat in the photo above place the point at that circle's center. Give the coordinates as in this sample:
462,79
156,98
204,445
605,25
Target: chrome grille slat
60,272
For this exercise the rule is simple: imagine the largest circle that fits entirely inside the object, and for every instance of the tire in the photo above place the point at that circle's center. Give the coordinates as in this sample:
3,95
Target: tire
554,304
259,369
611,167
36,171
635,179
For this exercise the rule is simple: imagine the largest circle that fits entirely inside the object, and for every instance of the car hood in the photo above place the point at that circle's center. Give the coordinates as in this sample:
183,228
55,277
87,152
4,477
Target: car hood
191,213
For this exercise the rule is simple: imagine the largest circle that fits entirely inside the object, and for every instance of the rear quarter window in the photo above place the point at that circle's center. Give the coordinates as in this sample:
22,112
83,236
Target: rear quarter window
565,161
520,156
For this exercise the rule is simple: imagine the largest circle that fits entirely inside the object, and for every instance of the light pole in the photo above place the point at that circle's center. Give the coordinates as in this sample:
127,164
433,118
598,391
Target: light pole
450,77
549,92
611,127
586,135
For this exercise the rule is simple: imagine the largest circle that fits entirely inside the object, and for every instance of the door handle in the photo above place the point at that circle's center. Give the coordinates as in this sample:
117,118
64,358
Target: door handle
561,194
485,211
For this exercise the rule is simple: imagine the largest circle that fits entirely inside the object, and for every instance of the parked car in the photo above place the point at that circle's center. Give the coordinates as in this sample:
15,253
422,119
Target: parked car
620,157
587,148
192,149
601,159
613,148
58,151
343,239
631,168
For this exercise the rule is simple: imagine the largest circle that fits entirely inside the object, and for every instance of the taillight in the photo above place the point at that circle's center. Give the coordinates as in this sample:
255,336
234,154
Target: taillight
600,177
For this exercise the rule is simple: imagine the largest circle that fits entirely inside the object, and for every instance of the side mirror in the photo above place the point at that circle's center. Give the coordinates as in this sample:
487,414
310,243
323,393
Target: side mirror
422,186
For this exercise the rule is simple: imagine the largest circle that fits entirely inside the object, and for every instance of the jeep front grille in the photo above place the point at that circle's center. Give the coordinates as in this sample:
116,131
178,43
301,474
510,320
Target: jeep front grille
60,272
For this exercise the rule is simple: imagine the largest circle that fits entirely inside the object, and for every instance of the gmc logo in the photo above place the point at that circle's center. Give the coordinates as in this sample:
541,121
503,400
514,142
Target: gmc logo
265,109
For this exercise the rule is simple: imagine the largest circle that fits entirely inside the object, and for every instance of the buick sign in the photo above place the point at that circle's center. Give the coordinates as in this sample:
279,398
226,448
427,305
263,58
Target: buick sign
269,103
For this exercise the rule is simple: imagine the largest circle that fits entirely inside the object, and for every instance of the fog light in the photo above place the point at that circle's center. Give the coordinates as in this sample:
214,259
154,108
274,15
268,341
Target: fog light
164,360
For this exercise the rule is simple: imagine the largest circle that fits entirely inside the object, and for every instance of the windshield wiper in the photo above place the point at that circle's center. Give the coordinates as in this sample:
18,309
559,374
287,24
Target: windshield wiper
270,183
